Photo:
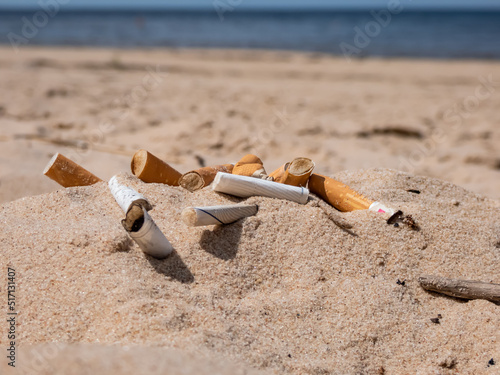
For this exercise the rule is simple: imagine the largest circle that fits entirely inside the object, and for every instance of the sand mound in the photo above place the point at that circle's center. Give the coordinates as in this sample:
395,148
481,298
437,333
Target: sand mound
287,290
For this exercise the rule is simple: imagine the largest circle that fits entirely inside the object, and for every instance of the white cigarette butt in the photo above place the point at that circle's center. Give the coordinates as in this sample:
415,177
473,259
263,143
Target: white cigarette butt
138,224
214,215
149,237
124,195
243,186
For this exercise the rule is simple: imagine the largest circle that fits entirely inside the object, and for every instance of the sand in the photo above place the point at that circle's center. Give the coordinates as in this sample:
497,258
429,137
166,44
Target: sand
296,289
99,106
286,291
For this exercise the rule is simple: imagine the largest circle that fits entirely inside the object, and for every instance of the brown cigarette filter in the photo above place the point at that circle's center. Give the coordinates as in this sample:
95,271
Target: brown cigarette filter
295,173
250,165
67,173
199,178
340,196
149,168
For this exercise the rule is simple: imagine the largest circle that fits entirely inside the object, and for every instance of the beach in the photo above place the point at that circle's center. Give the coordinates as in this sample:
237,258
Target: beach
99,106
299,289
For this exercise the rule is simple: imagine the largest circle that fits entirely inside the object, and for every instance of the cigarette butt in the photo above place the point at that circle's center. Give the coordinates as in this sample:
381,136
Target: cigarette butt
144,231
295,173
199,178
244,186
340,196
279,175
214,215
149,168
138,224
67,173
125,196
250,165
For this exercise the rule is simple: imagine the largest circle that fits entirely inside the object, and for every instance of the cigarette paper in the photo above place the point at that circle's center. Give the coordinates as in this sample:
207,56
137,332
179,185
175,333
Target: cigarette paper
199,178
381,208
125,196
250,165
67,173
144,231
295,173
149,168
340,196
243,186
213,215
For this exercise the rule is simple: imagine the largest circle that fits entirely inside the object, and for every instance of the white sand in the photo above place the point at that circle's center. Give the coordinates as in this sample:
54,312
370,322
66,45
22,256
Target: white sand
285,291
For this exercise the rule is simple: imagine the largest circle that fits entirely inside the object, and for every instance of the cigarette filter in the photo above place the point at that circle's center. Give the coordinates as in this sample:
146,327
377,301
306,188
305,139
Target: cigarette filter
243,186
125,196
67,173
340,196
295,173
199,178
250,165
149,168
144,231
213,215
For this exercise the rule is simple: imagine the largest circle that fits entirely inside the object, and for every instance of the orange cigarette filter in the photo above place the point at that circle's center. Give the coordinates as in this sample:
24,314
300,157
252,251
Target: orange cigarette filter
149,168
250,165
199,178
295,173
340,196
67,173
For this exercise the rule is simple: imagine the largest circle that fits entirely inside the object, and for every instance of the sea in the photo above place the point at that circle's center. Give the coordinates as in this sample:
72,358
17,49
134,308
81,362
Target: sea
353,34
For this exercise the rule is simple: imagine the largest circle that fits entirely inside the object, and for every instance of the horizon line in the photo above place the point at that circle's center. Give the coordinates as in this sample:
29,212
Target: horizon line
413,7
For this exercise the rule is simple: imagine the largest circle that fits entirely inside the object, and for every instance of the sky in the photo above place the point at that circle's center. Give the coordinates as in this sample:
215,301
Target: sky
246,4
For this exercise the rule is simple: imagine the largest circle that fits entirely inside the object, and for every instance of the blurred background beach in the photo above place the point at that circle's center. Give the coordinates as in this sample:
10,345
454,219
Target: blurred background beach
406,85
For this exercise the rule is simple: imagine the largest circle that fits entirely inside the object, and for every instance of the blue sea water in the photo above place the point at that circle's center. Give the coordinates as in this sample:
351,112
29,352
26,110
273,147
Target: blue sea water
358,34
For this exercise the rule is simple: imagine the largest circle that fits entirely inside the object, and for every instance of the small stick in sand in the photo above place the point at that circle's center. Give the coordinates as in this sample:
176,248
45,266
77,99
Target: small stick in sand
461,288
214,215
67,173
250,165
149,168
243,186
295,173
199,178
138,224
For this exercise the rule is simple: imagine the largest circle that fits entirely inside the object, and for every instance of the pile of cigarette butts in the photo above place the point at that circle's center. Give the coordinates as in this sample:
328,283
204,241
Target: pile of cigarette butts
292,181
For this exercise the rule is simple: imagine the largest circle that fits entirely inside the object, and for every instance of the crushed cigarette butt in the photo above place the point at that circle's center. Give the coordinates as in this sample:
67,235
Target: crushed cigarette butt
250,165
